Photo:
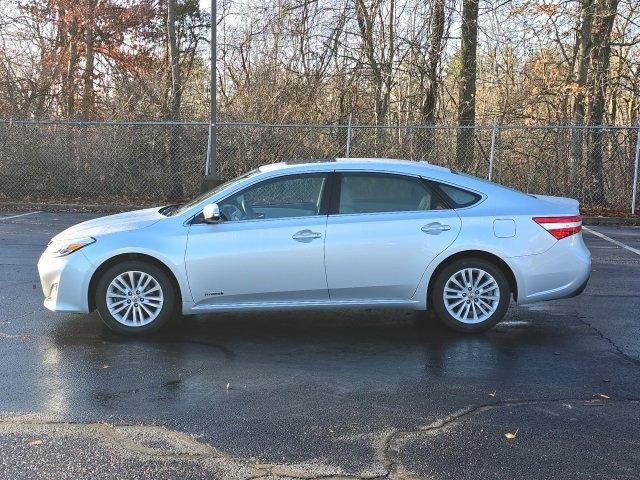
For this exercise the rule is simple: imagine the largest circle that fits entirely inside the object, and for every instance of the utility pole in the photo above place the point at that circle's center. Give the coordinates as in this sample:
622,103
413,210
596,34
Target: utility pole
211,178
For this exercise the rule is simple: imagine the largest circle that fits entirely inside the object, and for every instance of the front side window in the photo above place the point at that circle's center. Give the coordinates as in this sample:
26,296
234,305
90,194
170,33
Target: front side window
372,193
285,197
185,207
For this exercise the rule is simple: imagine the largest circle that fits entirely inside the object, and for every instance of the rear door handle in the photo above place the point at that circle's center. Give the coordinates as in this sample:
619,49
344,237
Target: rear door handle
435,228
306,235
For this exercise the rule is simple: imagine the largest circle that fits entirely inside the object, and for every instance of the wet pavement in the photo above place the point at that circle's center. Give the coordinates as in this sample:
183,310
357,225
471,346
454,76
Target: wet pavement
321,395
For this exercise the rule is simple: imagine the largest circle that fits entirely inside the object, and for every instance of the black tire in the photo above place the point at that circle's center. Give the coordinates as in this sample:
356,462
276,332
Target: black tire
167,309
437,301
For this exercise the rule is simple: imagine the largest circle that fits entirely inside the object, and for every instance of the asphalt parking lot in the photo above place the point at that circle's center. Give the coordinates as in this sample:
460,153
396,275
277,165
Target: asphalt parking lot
321,395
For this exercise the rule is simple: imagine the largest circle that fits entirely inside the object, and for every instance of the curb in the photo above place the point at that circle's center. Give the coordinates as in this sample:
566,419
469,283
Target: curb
627,221
68,207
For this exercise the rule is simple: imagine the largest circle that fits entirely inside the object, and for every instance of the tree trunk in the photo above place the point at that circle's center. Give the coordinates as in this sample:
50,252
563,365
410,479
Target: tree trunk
582,62
600,56
433,61
175,96
581,67
364,18
69,86
88,95
467,88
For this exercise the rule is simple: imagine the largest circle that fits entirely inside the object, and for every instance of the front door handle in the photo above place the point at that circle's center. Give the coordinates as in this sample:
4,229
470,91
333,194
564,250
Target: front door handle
306,235
435,228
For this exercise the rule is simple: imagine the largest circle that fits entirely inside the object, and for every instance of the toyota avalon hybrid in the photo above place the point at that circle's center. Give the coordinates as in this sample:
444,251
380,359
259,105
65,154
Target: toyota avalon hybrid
319,234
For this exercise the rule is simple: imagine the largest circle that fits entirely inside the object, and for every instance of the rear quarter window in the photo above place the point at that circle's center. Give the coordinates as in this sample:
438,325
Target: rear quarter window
458,197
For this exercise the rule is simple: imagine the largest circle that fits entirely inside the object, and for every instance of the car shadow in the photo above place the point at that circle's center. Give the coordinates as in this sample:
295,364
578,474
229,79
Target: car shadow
353,335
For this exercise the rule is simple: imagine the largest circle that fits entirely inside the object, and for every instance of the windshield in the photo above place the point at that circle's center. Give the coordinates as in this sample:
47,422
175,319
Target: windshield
186,206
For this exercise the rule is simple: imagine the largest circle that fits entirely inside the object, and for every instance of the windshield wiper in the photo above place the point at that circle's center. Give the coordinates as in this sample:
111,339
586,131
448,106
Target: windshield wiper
169,210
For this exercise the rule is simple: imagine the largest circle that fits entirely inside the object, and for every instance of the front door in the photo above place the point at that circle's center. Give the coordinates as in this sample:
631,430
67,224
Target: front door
386,230
269,247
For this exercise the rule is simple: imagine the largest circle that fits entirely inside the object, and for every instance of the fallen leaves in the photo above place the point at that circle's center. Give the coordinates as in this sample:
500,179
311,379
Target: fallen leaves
511,435
35,443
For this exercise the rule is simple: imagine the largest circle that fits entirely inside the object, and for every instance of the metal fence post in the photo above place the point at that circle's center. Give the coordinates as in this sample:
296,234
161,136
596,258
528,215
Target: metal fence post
494,130
635,173
212,147
348,146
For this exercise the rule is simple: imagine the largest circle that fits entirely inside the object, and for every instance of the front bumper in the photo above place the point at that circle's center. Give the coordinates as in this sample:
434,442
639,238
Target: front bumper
65,282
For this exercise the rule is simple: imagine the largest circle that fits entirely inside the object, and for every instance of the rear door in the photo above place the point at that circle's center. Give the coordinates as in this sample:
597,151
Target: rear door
384,231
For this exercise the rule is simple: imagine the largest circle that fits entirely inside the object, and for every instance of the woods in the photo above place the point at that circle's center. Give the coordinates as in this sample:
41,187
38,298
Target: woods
317,61
395,63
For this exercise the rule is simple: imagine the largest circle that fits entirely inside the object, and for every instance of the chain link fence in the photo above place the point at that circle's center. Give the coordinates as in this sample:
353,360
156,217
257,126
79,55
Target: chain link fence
135,163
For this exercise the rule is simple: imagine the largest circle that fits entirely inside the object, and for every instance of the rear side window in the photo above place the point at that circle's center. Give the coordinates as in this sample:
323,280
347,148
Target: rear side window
377,193
458,197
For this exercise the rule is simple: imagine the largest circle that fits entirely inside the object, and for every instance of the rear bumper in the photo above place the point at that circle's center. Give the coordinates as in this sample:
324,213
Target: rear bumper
561,272
580,289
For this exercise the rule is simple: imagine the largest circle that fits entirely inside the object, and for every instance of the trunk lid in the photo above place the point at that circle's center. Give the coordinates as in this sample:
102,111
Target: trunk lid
570,204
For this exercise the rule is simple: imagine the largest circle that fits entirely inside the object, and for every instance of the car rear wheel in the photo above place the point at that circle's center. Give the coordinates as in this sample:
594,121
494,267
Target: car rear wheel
135,298
470,295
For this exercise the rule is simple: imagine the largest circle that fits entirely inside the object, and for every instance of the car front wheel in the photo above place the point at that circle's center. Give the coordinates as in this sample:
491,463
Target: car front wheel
135,297
470,295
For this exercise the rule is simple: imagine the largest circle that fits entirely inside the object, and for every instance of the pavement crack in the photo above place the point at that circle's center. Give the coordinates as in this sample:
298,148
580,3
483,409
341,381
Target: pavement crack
613,344
393,466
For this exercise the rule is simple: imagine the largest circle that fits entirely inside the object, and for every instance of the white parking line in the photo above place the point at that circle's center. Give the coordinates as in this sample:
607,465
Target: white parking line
609,239
16,216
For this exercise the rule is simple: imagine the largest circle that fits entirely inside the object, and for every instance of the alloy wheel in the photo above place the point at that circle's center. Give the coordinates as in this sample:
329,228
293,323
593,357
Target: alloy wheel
134,298
471,295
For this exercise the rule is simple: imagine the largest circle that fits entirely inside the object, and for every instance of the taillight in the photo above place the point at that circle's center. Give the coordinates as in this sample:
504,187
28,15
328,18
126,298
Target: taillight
560,227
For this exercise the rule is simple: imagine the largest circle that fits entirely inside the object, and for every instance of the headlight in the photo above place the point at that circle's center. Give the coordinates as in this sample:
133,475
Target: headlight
60,248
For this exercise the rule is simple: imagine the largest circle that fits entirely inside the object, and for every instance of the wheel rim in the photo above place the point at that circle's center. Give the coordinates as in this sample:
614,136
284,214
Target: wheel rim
471,295
134,298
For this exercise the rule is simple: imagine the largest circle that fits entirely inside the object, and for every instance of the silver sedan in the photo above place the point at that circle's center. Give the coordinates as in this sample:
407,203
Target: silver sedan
336,233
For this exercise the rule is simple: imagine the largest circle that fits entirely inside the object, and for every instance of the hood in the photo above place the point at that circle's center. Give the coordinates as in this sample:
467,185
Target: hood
570,204
113,223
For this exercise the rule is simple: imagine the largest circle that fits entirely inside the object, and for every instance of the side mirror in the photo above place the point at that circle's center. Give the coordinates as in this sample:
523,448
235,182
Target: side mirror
211,213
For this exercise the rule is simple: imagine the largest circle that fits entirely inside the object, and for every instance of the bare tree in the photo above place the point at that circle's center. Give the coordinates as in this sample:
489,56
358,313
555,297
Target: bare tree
598,82
88,93
378,44
467,87
384,61
434,54
175,92
581,67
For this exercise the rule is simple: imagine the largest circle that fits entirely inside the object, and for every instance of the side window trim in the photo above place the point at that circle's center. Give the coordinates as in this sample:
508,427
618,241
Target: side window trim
438,193
330,194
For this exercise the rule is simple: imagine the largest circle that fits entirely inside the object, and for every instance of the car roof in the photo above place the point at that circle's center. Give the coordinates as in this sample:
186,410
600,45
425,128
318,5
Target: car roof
375,164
